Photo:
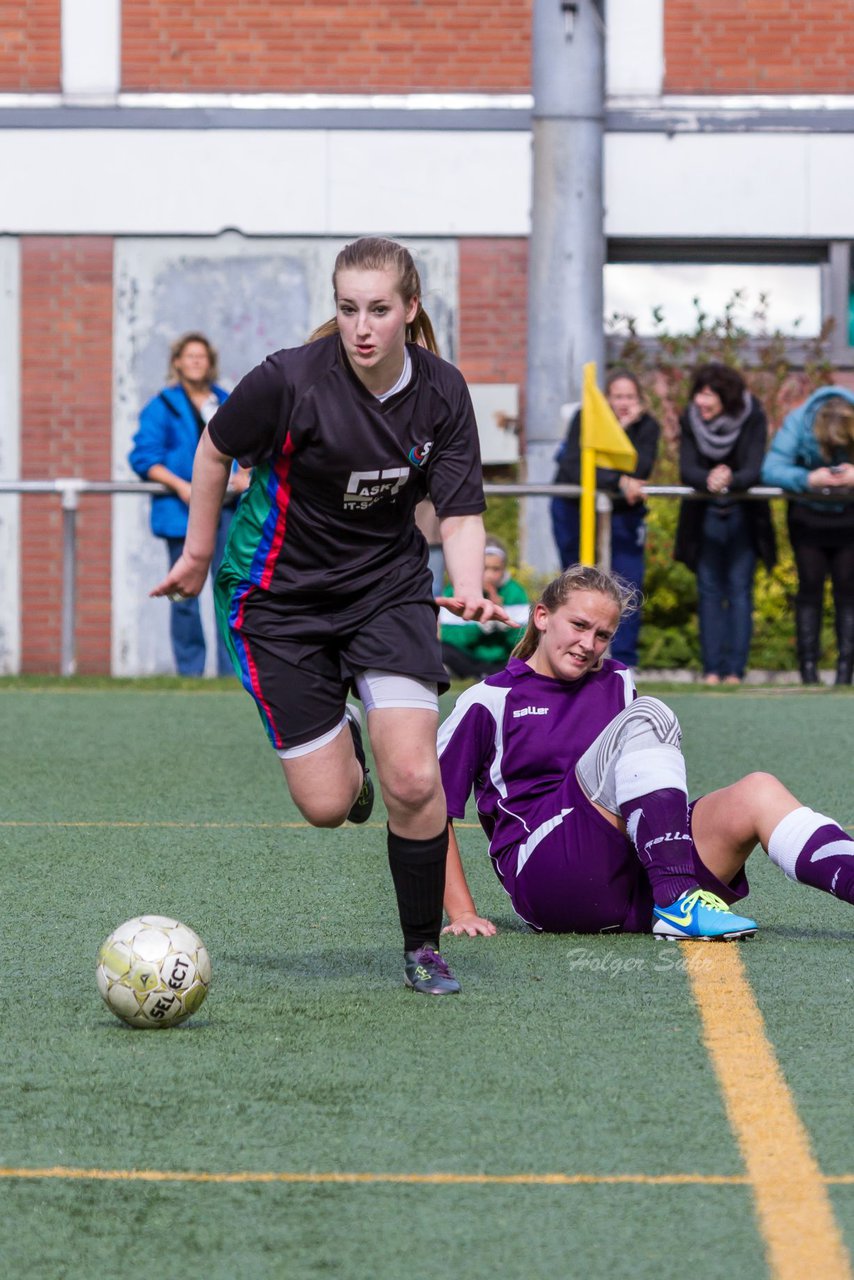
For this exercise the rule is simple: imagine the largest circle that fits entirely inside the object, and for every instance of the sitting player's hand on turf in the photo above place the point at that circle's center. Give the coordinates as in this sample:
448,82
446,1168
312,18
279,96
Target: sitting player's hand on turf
472,924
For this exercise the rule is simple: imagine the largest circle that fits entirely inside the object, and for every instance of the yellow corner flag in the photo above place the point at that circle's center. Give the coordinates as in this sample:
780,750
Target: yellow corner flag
603,443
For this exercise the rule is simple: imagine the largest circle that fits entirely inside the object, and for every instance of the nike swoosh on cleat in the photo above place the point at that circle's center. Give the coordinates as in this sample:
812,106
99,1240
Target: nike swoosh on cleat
662,915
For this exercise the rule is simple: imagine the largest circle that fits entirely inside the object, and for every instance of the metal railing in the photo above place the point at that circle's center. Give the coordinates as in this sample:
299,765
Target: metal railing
70,488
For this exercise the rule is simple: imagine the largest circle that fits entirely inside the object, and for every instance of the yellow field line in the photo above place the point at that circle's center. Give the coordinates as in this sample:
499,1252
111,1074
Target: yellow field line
60,1172
434,1179
795,1215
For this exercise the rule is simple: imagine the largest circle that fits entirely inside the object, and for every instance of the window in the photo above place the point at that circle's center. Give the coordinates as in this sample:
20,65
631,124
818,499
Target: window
792,293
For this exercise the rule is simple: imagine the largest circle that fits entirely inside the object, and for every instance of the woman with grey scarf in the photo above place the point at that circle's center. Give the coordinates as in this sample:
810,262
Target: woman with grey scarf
724,434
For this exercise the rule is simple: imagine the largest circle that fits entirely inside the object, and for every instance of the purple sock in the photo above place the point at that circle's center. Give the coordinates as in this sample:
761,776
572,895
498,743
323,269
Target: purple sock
814,850
659,827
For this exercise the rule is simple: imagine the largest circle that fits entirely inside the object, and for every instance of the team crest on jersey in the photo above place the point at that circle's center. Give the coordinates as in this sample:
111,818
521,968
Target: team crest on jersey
419,453
366,488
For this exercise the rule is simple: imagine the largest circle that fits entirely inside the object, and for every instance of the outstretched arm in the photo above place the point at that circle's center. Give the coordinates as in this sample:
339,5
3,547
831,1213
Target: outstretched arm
211,471
459,904
463,542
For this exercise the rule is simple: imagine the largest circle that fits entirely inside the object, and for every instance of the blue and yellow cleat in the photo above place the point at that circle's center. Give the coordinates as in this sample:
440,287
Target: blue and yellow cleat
700,914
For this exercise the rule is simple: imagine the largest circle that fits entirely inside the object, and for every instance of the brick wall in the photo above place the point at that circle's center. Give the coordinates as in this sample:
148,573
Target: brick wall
354,46
29,46
758,46
493,305
66,413
493,312
734,46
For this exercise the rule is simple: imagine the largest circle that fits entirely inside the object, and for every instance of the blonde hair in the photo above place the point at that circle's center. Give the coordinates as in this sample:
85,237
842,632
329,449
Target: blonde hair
176,350
578,577
833,427
374,253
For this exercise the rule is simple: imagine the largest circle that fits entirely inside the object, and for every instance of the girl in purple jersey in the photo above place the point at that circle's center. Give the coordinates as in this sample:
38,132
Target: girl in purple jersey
325,585
580,787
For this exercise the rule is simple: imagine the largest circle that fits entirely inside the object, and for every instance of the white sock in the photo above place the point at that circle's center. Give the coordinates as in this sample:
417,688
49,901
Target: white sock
791,834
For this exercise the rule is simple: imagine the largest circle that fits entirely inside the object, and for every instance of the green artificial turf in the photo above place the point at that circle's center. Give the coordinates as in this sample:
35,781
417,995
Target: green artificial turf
564,1055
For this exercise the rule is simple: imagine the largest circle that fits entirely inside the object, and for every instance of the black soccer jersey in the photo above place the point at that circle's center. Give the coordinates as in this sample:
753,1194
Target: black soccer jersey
337,474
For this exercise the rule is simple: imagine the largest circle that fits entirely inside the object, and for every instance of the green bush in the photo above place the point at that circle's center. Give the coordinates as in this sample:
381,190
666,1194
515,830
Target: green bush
670,635
663,364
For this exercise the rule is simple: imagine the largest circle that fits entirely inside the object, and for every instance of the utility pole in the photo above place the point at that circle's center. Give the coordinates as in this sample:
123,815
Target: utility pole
567,247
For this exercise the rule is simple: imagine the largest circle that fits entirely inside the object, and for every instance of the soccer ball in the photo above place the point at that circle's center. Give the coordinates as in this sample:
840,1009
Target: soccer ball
153,971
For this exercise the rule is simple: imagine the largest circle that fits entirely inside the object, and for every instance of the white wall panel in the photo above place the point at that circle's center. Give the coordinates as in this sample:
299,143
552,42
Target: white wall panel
264,182
91,49
163,181
419,183
430,183
829,187
733,184
634,50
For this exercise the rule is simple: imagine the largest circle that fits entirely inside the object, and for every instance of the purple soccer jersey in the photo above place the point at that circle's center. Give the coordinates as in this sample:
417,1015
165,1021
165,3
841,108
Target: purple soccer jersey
514,737
515,740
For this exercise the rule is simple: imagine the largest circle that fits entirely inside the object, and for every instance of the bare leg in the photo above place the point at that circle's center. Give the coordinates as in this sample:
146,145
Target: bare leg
325,783
729,823
404,745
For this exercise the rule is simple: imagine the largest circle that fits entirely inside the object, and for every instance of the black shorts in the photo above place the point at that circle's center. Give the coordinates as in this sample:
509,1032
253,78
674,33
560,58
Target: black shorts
299,664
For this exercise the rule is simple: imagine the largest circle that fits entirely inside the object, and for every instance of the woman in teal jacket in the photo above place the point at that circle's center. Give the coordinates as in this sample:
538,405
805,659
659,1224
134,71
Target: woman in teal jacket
163,451
813,452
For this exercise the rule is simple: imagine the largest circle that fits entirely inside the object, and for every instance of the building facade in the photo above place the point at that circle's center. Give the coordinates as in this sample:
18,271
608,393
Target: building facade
172,167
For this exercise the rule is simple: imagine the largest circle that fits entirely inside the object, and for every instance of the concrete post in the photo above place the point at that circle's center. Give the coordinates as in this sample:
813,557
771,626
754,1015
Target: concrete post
567,248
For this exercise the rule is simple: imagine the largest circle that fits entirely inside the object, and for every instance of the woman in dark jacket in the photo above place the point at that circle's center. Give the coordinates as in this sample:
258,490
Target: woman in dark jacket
724,436
628,519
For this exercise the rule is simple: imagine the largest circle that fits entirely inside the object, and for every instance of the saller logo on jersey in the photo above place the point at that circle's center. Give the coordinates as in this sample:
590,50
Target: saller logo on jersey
530,711
364,488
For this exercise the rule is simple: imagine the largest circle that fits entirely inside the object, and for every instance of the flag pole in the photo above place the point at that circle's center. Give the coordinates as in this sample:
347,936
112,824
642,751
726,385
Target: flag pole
587,543
587,509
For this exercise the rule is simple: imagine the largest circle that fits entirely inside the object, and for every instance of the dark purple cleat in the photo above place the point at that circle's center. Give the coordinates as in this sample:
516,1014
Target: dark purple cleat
424,970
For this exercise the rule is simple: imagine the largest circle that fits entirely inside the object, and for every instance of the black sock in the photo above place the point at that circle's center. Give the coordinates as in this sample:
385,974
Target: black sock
418,872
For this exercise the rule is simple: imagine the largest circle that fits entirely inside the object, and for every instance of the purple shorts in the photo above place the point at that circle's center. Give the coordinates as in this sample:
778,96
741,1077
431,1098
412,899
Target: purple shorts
583,875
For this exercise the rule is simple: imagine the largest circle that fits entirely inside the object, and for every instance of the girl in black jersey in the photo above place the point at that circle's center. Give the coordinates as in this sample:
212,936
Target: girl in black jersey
325,584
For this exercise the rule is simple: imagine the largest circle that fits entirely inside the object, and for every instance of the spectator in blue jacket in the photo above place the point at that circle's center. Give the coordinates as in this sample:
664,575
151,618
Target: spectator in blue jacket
163,450
813,452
